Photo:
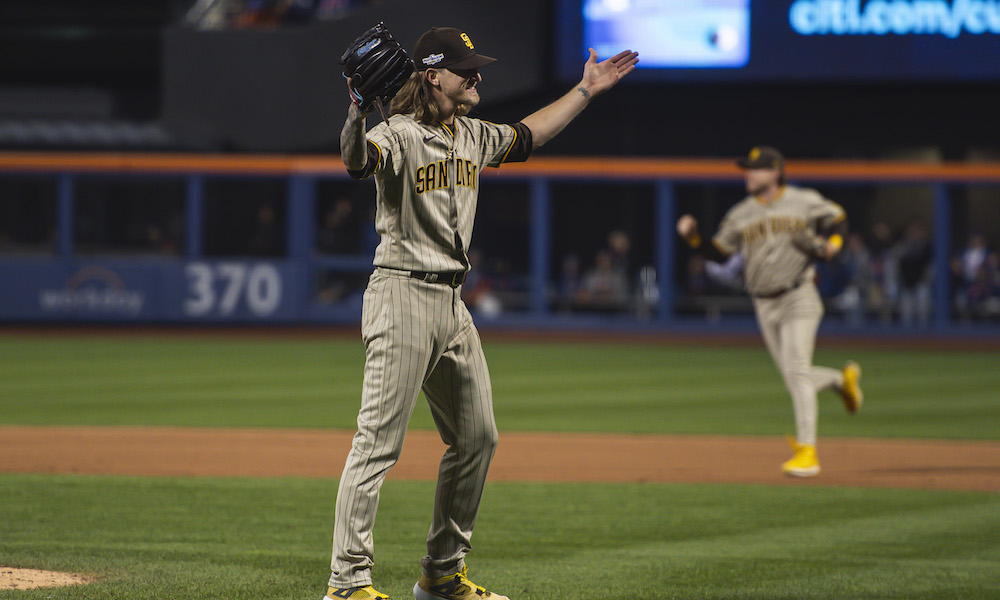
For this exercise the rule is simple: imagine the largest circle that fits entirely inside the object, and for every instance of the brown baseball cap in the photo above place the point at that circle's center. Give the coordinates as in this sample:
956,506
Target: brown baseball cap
762,157
444,47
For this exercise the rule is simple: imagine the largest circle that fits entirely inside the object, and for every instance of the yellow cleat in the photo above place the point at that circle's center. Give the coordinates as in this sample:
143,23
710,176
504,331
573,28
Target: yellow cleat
355,593
804,463
851,390
452,587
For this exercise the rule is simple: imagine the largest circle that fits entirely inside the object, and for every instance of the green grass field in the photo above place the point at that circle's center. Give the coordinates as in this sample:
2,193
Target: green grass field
256,539
233,382
269,539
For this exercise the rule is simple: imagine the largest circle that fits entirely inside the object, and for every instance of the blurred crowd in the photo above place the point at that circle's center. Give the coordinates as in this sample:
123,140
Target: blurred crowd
882,275
605,282
239,14
976,276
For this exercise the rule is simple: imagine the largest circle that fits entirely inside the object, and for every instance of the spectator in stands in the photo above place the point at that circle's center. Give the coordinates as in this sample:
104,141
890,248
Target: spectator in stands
697,282
883,288
977,276
647,292
336,9
914,255
225,14
266,238
856,261
338,234
507,283
832,277
159,243
477,291
604,286
570,282
619,245
330,287
213,14
271,13
984,292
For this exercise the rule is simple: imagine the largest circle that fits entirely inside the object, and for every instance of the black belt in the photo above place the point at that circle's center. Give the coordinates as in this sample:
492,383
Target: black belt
778,293
453,278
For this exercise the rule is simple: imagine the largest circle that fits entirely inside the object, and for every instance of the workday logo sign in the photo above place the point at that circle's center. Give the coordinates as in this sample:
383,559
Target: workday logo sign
93,290
899,17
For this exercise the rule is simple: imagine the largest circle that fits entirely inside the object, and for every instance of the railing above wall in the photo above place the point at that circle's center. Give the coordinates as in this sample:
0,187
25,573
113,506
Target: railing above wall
303,172
194,164
678,169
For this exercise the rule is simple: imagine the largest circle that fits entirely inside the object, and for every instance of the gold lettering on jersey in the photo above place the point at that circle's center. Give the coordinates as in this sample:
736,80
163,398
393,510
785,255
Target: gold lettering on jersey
431,180
442,170
431,176
786,224
772,226
753,233
419,185
465,173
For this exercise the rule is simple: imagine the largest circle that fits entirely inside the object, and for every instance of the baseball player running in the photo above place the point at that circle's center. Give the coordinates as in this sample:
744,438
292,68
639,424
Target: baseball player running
774,228
426,160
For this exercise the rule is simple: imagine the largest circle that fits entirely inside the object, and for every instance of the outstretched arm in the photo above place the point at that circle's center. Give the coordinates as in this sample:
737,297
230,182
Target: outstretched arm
829,241
598,77
687,230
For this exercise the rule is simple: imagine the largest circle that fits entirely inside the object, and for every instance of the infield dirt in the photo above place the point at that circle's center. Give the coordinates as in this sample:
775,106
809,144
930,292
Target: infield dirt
30,579
521,456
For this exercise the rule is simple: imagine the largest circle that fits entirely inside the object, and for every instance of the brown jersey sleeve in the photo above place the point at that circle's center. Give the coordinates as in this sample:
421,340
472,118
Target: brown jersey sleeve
374,156
520,150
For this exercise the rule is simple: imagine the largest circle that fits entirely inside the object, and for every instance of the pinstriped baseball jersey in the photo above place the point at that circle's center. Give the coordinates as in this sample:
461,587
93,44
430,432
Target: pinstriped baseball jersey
765,234
419,335
427,178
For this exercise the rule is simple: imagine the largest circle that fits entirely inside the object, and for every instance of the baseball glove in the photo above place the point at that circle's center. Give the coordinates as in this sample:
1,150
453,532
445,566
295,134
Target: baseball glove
377,67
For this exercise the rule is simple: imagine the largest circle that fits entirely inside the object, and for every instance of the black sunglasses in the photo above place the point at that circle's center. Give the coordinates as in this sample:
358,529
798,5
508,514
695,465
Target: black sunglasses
465,73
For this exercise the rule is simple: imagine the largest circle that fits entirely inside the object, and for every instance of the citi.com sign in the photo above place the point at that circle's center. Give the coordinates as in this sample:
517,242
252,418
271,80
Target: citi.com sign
899,17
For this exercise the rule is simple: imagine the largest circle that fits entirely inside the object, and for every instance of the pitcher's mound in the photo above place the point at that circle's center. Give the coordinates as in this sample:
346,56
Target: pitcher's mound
29,579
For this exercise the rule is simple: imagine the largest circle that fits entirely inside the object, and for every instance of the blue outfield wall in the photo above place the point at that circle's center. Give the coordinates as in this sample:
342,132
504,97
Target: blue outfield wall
153,290
68,286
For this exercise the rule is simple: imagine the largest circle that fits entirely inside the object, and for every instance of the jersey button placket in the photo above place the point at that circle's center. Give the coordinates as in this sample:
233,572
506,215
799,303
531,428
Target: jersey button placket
452,173
453,193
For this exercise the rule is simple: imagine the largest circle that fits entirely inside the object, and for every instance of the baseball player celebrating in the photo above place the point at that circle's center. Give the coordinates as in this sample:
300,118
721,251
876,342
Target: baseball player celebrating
426,159
775,228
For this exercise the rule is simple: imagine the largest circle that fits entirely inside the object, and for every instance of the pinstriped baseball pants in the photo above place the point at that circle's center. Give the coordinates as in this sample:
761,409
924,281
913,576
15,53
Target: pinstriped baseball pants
788,325
417,336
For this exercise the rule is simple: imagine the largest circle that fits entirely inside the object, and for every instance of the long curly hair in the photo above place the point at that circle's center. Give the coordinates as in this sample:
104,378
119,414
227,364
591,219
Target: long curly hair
415,98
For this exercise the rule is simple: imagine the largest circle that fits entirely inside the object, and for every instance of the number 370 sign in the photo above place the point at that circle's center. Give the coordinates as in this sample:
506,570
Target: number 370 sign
224,288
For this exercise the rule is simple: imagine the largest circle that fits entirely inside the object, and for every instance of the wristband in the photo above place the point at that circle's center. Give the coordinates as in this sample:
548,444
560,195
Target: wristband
837,241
